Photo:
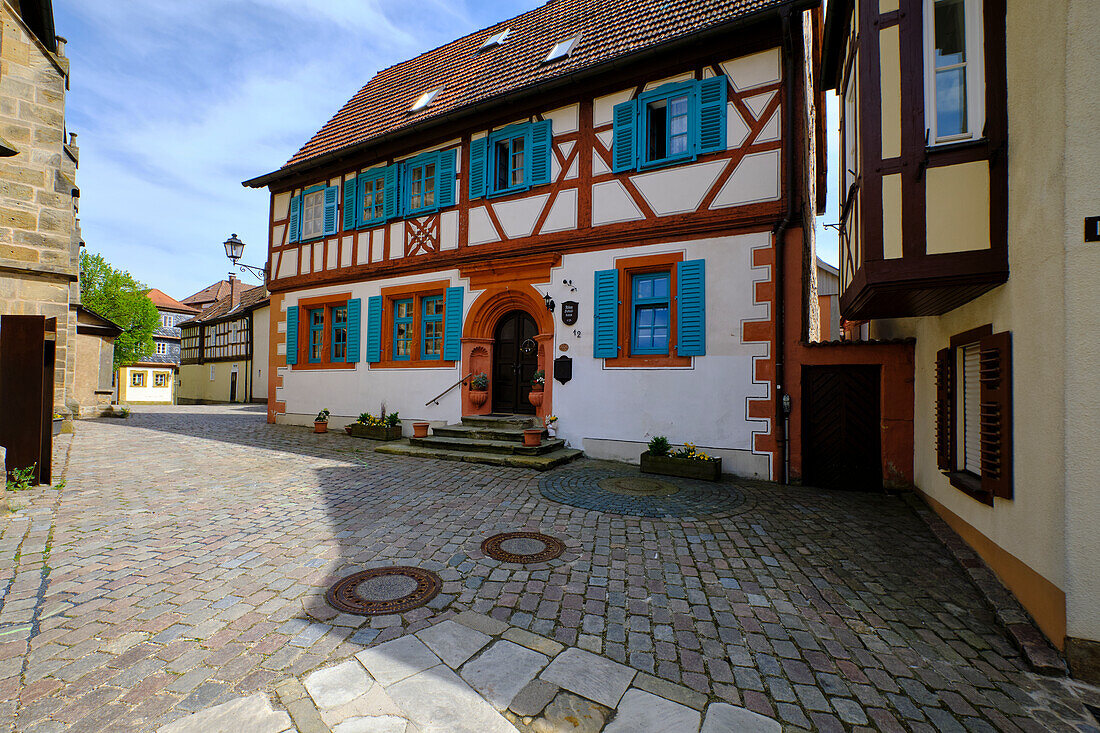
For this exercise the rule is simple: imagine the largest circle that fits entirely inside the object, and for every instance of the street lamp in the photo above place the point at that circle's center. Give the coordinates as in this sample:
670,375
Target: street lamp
234,250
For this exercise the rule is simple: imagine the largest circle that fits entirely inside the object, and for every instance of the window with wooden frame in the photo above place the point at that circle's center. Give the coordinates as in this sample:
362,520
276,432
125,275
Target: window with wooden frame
974,413
137,379
670,124
160,379
323,332
422,180
313,213
415,326
660,321
511,159
954,70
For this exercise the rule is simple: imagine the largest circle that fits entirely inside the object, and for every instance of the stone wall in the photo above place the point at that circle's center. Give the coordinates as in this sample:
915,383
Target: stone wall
39,233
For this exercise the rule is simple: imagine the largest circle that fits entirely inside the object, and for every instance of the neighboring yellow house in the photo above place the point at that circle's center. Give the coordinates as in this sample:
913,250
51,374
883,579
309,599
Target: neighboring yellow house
970,144
224,354
146,384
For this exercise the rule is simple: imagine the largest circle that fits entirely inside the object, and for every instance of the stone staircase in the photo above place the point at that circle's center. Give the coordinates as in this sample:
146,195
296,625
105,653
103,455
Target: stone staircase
496,440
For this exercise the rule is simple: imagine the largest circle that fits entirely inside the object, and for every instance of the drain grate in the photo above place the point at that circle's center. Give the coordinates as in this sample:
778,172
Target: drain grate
522,547
381,591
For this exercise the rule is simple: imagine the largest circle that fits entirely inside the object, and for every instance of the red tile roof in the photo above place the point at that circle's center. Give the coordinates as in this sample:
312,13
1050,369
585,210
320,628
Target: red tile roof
209,294
167,302
248,299
608,29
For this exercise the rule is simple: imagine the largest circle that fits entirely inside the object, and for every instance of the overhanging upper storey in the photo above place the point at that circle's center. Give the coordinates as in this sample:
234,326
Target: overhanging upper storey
923,161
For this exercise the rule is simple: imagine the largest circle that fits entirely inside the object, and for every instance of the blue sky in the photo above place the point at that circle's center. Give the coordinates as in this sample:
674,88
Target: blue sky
175,103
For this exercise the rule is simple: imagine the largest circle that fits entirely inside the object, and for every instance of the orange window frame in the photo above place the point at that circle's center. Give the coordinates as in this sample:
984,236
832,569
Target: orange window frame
416,292
305,305
628,267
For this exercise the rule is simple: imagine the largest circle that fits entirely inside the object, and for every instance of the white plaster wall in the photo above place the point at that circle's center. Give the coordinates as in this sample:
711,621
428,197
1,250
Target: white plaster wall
148,393
261,341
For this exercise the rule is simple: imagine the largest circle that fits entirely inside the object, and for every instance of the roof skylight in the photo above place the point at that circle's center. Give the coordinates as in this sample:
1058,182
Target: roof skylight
495,40
562,50
424,100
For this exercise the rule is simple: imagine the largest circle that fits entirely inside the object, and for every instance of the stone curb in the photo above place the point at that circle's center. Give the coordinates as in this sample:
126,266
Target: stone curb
1037,651
304,714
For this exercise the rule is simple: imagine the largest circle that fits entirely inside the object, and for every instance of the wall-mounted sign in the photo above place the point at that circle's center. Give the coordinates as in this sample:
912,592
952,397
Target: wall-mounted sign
1092,232
563,347
569,312
563,369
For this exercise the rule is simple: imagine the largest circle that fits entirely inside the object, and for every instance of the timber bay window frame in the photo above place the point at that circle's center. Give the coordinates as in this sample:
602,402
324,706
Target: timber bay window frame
661,319
974,413
323,333
415,326
511,159
313,213
954,71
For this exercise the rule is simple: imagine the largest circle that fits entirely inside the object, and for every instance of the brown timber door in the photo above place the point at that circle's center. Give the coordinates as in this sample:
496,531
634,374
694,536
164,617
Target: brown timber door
515,360
841,445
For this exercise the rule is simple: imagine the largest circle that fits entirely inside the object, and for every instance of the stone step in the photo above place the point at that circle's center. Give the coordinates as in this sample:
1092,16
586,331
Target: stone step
514,435
543,462
505,422
487,446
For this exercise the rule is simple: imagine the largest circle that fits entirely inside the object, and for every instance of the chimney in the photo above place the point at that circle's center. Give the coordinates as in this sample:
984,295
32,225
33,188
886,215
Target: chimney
61,41
234,291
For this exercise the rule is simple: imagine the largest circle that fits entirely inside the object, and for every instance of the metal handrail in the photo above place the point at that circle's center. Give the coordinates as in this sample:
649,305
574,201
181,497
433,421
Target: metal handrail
438,396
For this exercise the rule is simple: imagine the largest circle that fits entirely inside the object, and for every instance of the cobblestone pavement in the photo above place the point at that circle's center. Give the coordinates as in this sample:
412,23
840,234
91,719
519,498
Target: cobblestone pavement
184,563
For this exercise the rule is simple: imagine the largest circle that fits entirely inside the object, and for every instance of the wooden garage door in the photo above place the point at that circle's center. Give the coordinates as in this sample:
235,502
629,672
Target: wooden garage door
840,427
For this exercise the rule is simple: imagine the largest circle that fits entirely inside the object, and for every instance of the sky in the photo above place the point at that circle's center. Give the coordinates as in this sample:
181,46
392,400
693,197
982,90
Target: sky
175,103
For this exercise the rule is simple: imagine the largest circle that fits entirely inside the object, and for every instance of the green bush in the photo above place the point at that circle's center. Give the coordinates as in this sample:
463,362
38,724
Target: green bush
659,446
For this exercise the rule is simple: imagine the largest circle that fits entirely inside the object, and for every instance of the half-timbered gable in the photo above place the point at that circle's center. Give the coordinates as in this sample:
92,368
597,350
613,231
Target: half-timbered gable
627,167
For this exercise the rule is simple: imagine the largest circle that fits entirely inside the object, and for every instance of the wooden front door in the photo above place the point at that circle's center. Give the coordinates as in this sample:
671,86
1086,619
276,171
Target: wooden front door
515,361
232,386
841,446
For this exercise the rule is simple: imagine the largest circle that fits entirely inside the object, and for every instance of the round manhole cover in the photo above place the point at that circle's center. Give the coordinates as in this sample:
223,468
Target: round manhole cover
637,486
382,591
522,547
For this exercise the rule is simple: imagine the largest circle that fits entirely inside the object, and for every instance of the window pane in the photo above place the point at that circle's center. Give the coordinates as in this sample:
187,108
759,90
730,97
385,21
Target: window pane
317,317
314,214
429,185
950,32
951,102
379,197
660,286
433,307
657,117
368,199
643,288
517,161
502,159
404,309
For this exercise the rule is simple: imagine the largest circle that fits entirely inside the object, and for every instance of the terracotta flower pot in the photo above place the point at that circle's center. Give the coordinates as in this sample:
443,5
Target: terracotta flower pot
478,397
320,427
535,397
347,429
532,436
420,429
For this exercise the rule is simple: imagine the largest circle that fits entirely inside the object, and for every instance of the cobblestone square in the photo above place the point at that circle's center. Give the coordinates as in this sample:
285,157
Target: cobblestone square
185,560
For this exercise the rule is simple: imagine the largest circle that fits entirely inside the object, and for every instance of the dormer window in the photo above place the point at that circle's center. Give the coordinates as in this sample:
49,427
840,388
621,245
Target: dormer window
425,100
562,50
495,40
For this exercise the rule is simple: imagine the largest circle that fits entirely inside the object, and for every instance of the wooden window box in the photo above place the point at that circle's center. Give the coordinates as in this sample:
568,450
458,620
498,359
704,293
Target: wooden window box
374,432
708,470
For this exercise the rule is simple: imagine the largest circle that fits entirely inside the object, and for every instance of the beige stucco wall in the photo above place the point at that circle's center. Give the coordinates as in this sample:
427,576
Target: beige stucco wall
92,380
1052,307
261,340
196,382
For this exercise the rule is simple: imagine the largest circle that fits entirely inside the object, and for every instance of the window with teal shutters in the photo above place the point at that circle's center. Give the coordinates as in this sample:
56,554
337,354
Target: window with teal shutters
606,315
691,311
292,335
372,197
541,138
666,122
478,164
355,306
447,178
712,114
374,329
350,205
649,309
392,182
332,198
624,146
452,334
423,185
295,224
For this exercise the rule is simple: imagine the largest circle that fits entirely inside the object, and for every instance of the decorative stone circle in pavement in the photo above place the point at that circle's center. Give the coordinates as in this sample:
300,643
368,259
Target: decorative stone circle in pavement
382,591
621,490
522,547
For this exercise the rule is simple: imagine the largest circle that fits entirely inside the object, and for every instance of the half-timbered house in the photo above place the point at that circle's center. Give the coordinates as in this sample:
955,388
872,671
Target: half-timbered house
590,190
969,145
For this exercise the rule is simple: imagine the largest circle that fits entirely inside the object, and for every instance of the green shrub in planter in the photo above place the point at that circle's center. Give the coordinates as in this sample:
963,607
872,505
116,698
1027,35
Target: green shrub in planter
687,462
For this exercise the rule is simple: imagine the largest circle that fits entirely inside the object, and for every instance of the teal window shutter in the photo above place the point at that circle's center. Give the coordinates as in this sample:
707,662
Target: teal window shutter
479,150
355,307
452,326
624,153
691,310
390,202
541,139
350,204
332,198
292,335
295,224
711,137
374,329
446,189
606,315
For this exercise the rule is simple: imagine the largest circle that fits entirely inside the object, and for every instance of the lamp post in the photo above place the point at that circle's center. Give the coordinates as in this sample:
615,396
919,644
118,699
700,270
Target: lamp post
234,250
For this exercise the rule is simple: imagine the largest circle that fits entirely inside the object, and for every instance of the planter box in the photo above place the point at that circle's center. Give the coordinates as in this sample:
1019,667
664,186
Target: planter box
709,470
57,422
375,432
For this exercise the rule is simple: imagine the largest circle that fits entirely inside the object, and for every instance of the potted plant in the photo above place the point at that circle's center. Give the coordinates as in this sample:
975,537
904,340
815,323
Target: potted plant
57,422
532,437
688,462
538,383
320,423
550,421
479,390
420,429
380,427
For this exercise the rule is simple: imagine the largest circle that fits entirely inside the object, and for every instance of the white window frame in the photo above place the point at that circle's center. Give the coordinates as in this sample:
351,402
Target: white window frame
975,74
318,223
